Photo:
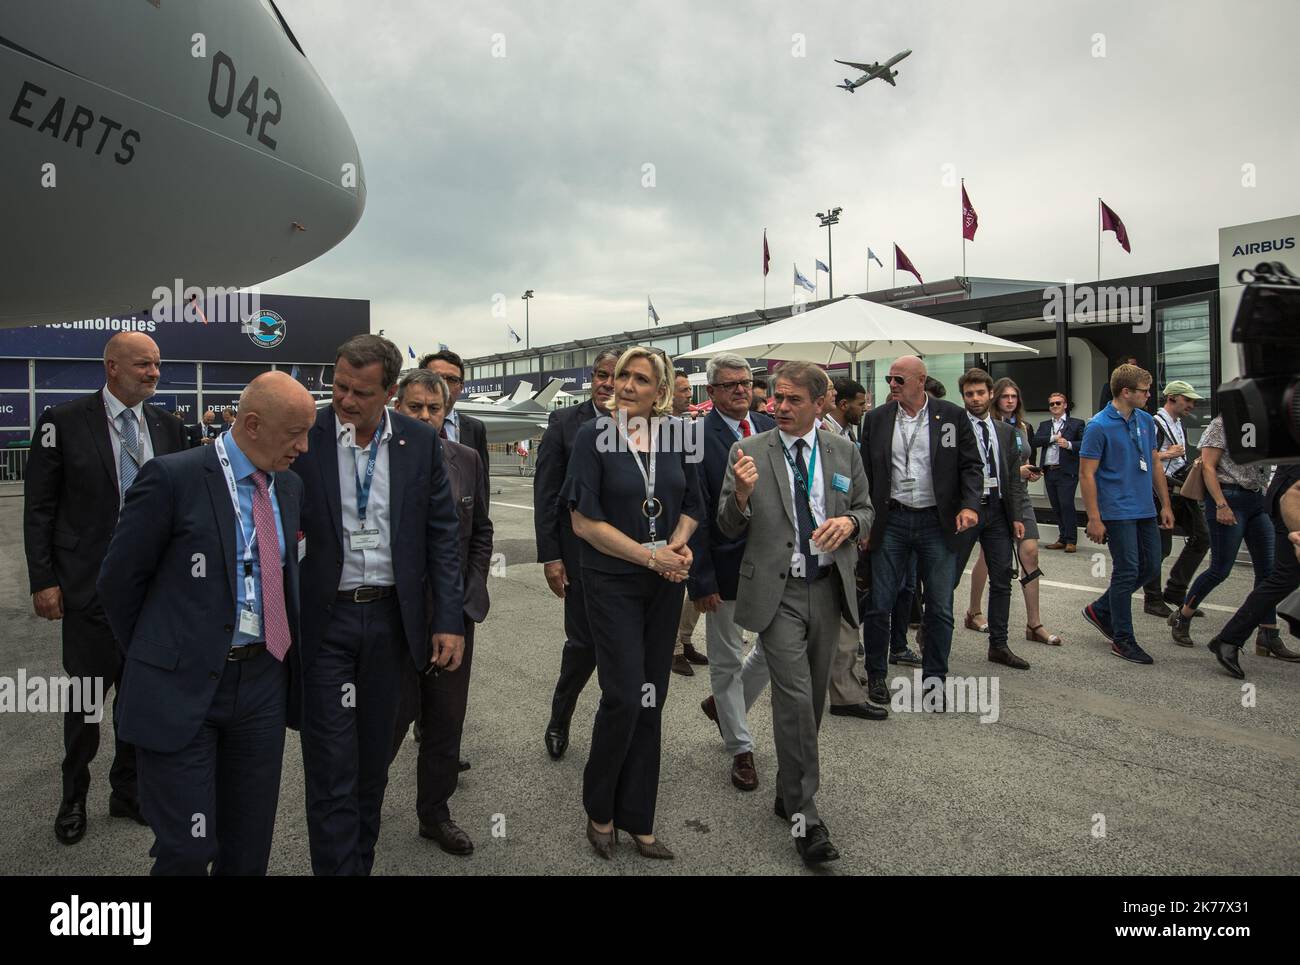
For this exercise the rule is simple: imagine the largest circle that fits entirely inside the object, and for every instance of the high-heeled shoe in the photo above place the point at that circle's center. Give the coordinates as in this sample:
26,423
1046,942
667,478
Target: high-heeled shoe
602,841
1039,635
653,849
976,625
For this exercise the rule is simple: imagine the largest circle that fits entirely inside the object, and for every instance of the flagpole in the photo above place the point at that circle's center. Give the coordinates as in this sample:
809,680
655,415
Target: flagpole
893,272
963,228
764,269
1099,238
868,272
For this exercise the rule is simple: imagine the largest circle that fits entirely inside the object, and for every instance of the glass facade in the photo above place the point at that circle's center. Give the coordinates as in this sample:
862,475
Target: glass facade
1184,353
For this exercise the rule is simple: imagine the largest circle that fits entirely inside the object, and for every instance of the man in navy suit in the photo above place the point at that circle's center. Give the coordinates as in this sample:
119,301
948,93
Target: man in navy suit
465,429
558,548
715,573
1057,440
381,533
200,583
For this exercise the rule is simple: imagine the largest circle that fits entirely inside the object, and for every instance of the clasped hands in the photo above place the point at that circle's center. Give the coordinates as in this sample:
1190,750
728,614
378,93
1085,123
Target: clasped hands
672,562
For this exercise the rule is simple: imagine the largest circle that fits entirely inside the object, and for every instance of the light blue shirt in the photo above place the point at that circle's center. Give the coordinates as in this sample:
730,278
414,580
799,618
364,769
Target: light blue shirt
452,425
243,471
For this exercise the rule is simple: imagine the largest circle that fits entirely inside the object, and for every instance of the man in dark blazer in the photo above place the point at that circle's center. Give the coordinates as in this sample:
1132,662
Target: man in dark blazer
558,549
462,428
201,585
381,534
1004,505
1057,440
77,472
736,681
439,701
924,466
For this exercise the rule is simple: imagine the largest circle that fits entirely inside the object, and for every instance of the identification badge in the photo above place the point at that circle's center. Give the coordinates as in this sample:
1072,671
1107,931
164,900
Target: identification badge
990,482
302,547
655,544
840,483
907,485
250,623
364,539
797,565
1142,464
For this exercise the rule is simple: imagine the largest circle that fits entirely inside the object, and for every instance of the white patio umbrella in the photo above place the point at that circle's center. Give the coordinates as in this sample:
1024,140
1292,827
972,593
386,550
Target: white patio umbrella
854,330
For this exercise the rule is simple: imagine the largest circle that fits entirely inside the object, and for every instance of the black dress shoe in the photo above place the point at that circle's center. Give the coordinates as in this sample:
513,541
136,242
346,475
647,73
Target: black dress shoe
70,825
463,764
815,847
1004,656
865,710
779,809
877,691
557,741
449,837
1157,608
1227,655
120,807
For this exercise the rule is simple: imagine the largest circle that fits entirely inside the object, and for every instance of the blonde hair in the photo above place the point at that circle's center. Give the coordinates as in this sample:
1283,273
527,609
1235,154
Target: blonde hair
664,374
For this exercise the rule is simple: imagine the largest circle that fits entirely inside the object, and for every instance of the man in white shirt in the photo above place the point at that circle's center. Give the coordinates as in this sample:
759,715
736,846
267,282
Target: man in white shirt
1171,437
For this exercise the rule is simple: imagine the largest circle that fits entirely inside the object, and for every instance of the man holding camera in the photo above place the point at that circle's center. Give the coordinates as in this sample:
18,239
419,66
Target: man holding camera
1171,440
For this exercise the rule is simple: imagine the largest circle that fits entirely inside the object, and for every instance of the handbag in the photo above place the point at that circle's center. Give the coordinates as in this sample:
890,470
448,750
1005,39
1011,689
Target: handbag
1193,484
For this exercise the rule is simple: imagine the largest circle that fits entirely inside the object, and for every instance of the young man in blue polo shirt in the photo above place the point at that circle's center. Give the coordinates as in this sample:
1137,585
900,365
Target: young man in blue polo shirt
1116,463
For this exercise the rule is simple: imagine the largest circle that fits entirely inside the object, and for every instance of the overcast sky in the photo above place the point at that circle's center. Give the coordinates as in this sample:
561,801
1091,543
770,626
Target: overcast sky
491,174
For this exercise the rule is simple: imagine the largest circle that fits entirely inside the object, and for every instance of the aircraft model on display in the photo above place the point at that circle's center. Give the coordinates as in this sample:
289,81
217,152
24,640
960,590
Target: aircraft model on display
871,72
159,143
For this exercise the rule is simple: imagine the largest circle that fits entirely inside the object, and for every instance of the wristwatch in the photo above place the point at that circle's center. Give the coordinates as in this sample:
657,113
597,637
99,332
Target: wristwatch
857,527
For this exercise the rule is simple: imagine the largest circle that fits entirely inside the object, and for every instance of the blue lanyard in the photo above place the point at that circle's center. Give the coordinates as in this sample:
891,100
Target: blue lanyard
804,484
1135,433
363,488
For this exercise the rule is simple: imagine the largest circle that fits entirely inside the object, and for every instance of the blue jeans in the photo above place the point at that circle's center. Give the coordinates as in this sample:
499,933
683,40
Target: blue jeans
1254,526
912,534
892,625
1135,558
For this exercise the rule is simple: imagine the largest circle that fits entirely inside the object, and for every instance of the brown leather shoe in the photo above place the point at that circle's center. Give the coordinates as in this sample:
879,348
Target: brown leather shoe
694,656
710,708
1070,548
683,666
1004,656
1058,545
743,774
449,837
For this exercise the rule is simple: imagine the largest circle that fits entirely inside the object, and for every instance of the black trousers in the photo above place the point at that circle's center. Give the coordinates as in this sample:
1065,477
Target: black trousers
214,801
1190,518
994,535
440,701
352,691
578,659
89,650
1060,493
1280,583
634,617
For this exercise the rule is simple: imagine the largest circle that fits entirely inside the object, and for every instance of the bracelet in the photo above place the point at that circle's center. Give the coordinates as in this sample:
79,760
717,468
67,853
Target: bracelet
650,563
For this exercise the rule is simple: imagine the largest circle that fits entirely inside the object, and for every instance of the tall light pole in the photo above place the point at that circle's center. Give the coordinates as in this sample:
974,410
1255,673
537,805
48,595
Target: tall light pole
526,296
827,220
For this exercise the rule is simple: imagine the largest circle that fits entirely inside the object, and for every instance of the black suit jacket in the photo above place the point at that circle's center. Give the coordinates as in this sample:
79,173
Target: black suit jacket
167,586
1073,432
70,496
473,433
422,524
955,464
717,556
551,521
469,490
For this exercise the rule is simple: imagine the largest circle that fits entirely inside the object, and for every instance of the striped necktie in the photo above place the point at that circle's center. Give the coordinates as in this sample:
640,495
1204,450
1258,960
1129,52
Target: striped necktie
275,622
129,458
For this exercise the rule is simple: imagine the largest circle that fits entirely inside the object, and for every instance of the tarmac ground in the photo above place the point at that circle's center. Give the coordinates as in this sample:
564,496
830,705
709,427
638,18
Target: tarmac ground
1093,765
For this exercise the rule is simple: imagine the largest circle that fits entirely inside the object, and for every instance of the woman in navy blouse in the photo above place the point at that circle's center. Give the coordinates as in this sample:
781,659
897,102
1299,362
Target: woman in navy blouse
635,501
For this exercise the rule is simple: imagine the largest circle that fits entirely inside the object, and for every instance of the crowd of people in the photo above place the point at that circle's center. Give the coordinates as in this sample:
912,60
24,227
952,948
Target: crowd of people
325,568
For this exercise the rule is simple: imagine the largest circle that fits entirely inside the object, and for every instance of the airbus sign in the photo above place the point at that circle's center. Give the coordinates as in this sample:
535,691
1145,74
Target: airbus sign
1245,246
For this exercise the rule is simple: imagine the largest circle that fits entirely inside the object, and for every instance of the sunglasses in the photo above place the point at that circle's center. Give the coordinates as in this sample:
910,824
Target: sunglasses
895,379
1053,405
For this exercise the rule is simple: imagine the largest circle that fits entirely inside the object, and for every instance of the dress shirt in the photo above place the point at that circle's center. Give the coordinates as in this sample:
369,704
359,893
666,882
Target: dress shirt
734,425
992,461
922,494
451,425
115,408
365,567
1053,457
818,494
243,470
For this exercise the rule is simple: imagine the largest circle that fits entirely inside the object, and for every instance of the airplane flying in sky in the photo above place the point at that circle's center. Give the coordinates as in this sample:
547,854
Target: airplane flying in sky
146,142
871,72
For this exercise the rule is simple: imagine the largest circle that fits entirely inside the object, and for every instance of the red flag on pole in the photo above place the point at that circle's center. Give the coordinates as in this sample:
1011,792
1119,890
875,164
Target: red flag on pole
1110,222
767,255
903,263
969,219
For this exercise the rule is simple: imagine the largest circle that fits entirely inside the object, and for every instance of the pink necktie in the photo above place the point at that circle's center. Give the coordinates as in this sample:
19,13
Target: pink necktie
275,624
744,428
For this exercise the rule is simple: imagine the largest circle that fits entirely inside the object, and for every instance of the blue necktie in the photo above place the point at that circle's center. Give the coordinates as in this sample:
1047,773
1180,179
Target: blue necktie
804,516
128,466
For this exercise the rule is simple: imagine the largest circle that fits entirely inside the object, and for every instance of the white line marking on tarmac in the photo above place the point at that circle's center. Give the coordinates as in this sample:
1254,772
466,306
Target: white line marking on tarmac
497,502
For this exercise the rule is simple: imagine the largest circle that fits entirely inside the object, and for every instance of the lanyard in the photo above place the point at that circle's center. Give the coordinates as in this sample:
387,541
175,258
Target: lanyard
250,589
920,420
985,448
1135,433
651,508
363,488
803,485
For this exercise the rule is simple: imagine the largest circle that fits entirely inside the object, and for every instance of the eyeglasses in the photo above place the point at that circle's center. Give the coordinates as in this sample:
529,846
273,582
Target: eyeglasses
895,379
733,386
453,379
1053,405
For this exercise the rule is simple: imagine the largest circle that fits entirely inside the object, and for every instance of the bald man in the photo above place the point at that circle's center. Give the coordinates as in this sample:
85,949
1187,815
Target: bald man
200,584
85,455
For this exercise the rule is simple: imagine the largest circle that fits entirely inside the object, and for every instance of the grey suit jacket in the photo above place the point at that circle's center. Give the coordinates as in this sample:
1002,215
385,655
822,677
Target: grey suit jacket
769,522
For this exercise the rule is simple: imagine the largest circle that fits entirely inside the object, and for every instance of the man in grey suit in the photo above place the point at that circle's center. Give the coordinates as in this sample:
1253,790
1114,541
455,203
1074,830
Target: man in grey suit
801,498
1004,505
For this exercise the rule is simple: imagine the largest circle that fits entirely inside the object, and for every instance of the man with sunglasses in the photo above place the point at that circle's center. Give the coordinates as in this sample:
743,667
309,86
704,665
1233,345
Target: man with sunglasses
1058,440
458,427
926,479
